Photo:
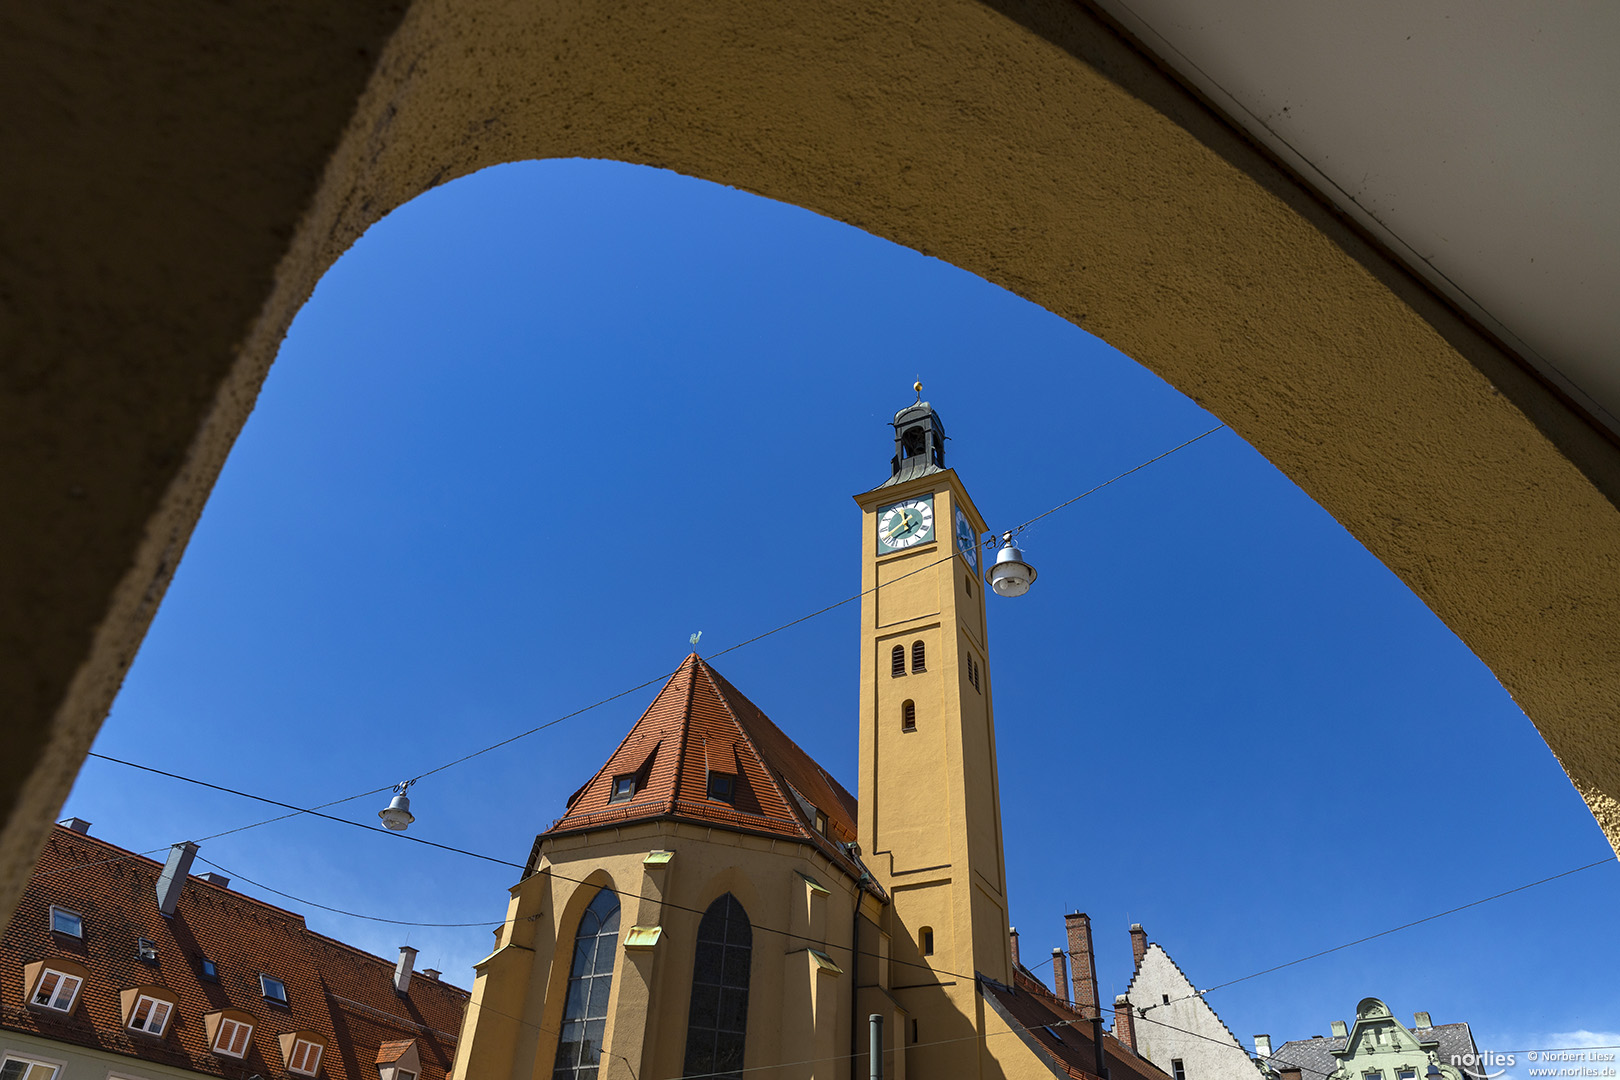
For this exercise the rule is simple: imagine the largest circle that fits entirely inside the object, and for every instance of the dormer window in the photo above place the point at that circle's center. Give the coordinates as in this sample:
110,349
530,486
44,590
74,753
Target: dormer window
821,823
67,922
722,786
233,1037
305,1059
274,989
150,1015
624,789
57,990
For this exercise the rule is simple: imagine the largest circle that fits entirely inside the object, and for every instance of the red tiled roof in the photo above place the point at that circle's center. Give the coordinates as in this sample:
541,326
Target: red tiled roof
390,1052
341,994
1059,1030
697,724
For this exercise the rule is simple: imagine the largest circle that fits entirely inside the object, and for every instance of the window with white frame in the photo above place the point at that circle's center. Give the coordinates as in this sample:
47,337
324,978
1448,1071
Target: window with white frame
150,1015
67,922
232,1040
274,989
305,1059
57,990
17,1068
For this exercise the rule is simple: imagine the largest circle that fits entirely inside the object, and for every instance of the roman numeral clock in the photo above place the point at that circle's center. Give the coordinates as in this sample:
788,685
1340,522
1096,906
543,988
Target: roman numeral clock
905,524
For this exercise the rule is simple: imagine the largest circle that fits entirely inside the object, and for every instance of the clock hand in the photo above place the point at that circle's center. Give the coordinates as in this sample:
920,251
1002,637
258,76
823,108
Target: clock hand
899,526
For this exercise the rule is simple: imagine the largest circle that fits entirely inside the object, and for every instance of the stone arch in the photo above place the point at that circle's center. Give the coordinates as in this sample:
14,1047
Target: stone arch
1026,142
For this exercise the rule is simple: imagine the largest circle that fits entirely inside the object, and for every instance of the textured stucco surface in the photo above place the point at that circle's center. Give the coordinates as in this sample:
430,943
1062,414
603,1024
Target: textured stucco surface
175,214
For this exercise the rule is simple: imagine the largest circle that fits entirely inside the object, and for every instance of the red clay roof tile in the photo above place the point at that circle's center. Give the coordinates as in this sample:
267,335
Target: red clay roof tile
699,723
341,994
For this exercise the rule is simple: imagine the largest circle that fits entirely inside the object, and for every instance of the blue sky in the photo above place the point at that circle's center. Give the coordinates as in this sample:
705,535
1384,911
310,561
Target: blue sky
543,423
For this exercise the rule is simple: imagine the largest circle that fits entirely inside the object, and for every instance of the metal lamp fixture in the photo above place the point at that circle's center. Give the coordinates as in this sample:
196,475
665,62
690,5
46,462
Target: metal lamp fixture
1011,575
398,817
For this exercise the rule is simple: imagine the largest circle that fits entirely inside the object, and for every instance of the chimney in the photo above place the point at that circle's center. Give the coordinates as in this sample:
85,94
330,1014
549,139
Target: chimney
402,970
1124,1021
1262,1046
173,878
78,825
1138,943
215,879
1012,936
1339,1030
1422,1020
1290,1072
430,973
1060,975
1085,964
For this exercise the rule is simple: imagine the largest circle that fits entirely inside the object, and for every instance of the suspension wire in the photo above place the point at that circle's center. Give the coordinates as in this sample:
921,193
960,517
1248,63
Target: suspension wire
233,875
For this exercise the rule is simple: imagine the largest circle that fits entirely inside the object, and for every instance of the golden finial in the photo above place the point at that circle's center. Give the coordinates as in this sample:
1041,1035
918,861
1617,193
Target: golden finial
917,386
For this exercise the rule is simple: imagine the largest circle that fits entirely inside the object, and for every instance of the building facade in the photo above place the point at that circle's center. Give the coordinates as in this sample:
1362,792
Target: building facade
713,901
116,967
1175,1027
1376,1046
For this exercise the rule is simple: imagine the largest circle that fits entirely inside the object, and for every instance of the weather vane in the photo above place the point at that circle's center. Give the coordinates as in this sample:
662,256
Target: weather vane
694,638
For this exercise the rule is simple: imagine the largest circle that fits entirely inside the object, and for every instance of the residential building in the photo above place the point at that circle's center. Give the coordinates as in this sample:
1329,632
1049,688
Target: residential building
117,967
1379,1047
713,901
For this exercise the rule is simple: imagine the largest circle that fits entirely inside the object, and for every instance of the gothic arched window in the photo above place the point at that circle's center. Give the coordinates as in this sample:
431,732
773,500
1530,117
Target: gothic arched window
718,1021
589,982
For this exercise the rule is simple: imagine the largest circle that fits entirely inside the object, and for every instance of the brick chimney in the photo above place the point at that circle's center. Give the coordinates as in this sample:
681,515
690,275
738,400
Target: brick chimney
1290,1072
1012,936
1060,975
1084,970
1138,943
1124,1021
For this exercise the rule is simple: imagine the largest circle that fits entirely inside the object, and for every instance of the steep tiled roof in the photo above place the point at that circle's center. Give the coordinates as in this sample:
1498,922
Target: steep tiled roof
341,994
1061,1032
697,724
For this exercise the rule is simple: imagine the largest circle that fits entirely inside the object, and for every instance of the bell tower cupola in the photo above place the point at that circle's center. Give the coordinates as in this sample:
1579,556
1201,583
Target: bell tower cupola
919,442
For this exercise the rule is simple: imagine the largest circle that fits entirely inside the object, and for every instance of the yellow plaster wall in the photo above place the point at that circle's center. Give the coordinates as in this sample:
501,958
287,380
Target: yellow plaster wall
158,247
796,1009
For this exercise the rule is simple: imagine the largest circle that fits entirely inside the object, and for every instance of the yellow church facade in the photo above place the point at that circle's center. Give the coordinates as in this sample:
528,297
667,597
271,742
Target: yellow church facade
713,903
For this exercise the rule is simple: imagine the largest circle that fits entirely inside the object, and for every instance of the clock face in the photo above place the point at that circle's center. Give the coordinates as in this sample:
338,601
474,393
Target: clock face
906,524
966,540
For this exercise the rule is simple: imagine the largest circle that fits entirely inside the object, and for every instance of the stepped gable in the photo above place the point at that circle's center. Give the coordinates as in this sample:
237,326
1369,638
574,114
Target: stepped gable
700,724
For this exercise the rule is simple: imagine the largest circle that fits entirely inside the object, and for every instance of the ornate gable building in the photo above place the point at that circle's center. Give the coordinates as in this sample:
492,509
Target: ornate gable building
713,901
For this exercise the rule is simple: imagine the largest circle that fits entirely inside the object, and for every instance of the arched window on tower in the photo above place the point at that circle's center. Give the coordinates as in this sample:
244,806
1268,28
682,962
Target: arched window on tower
717,1024
590,980
908,715
897,661
918,656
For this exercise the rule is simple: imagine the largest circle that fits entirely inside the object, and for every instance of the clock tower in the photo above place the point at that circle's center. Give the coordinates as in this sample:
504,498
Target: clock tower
930,806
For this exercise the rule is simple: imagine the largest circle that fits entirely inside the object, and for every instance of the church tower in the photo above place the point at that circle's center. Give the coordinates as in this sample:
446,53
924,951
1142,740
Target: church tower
930,806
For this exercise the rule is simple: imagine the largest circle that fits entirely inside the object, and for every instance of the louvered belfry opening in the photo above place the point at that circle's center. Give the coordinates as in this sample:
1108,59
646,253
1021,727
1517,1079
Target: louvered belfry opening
897,661
919,656
908,715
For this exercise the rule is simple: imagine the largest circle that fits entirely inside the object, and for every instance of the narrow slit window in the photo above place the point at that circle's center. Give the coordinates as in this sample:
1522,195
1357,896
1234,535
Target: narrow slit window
908,715
925,941
914,1030
968,581
897,661
918,656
